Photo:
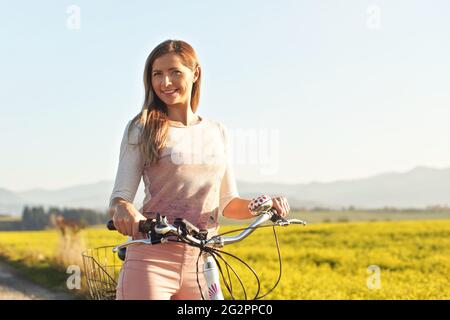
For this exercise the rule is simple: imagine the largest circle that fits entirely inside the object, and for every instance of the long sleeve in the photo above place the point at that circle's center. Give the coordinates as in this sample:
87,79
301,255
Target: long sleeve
131,166
228,187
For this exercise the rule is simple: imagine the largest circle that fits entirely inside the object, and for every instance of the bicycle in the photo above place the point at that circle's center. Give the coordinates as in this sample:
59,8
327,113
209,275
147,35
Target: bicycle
102,284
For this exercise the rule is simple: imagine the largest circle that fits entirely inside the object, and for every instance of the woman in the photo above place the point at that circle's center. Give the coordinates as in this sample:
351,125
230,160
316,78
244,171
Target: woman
184,162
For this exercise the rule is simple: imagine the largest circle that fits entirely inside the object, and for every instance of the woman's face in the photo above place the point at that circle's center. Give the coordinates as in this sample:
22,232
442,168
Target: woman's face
172,80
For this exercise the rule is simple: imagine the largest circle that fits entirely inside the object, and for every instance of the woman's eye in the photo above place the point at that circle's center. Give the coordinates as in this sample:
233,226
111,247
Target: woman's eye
176,71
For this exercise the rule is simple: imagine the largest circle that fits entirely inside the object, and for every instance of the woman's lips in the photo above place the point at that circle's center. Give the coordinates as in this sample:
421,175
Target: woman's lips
170,92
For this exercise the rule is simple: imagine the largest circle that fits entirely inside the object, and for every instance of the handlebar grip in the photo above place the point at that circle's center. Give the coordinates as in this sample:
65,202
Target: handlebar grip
144,225
110,225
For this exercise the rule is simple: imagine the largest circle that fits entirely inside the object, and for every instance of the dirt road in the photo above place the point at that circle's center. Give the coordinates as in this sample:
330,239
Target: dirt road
14,287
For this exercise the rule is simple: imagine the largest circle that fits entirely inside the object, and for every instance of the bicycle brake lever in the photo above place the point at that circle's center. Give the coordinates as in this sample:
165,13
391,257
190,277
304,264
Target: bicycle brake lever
276,218
297,221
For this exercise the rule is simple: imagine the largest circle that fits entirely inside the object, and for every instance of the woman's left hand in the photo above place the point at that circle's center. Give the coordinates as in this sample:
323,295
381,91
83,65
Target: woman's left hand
281,205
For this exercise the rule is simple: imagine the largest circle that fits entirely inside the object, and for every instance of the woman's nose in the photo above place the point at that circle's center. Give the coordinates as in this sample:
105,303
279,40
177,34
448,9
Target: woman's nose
166,80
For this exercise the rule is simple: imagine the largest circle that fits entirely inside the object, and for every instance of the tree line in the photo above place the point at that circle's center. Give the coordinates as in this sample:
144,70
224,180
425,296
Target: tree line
37,218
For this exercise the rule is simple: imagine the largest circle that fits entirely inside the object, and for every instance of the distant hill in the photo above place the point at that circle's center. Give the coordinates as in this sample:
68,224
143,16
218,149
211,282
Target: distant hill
417,188
87,195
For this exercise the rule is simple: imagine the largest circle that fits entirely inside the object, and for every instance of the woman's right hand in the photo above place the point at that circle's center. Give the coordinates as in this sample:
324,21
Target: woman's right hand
126,218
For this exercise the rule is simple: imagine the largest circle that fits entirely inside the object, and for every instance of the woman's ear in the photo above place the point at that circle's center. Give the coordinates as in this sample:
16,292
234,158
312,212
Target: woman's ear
197,72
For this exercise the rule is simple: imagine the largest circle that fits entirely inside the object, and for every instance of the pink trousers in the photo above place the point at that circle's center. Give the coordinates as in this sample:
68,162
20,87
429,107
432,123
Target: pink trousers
161,272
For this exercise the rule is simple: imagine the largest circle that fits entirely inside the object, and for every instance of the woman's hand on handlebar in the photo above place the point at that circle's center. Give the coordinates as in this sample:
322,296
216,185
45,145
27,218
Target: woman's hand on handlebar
126,218
281,205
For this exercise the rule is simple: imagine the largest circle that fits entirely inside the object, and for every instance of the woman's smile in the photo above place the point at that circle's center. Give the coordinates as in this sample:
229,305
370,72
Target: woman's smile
170,93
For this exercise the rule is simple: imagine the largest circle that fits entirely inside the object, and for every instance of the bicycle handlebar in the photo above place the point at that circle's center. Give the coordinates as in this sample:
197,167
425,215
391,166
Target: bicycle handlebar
159,229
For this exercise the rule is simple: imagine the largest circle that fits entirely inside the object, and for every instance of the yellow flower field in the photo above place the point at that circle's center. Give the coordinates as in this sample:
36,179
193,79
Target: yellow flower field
407,259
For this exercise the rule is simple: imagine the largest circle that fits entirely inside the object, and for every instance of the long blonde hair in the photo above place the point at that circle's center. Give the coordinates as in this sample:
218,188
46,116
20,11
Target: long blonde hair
153,117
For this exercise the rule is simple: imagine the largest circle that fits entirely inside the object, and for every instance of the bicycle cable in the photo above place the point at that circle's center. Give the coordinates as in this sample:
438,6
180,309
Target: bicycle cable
217,253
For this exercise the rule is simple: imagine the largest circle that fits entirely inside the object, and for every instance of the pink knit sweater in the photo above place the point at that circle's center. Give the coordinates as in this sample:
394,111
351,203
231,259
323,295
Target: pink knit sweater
193,178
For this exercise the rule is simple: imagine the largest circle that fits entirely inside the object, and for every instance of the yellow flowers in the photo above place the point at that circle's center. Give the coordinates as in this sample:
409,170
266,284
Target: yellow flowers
331,261
403,259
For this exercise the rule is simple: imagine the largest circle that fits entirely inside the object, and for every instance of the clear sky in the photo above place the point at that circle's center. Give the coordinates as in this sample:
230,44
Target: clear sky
335,89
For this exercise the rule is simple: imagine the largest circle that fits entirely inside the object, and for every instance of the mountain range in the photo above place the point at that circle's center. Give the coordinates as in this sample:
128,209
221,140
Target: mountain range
417,188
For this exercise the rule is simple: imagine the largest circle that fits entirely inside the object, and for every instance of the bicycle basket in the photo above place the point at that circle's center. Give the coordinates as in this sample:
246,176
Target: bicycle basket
102,267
